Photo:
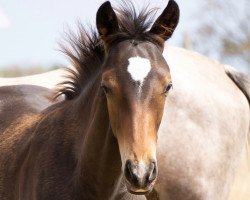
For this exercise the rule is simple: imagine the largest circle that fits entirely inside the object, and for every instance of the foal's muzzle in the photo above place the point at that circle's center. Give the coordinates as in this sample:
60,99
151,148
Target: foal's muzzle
140,177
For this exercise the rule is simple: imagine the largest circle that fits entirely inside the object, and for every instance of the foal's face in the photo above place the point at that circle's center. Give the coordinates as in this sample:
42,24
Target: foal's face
136,81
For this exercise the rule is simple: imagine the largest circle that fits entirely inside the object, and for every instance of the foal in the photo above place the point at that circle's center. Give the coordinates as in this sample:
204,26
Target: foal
106,129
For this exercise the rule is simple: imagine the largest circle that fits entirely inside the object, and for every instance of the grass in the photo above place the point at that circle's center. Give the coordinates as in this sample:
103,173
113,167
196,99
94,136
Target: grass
16,71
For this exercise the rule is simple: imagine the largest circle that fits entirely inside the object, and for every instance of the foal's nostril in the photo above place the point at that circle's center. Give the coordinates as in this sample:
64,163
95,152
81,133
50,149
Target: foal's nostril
140,175
128,171
131,174
152,172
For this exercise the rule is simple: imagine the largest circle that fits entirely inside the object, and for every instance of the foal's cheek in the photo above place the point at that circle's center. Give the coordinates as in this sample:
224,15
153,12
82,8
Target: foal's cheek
113,111
157,109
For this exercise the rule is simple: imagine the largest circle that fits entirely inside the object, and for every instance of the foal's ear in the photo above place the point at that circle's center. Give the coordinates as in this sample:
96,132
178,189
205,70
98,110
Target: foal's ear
166,23
106,20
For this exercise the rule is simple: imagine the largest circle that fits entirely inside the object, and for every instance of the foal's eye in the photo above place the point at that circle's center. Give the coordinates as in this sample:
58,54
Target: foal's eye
105,89
168,87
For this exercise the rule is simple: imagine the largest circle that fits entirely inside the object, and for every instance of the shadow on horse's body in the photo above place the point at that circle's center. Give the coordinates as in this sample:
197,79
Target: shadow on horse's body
19,100
103,141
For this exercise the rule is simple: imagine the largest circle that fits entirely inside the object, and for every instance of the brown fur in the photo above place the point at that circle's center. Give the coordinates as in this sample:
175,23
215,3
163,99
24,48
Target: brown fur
69,151
79,148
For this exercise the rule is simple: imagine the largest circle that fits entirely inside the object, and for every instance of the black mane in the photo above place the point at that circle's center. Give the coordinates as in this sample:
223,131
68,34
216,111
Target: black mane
86,54
86,51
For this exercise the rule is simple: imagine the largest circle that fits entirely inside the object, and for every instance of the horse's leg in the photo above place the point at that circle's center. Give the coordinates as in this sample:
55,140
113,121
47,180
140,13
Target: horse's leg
153,195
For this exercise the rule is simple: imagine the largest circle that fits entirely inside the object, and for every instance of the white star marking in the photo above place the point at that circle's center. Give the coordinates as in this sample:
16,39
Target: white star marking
139,68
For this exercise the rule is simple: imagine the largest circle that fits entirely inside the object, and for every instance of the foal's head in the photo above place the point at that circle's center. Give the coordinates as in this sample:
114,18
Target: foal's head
136,81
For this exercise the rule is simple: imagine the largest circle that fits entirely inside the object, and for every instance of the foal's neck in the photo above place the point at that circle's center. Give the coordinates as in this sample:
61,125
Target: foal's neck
99,160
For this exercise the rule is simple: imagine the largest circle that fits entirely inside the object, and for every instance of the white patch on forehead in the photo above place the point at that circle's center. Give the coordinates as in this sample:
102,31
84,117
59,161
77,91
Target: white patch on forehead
139,68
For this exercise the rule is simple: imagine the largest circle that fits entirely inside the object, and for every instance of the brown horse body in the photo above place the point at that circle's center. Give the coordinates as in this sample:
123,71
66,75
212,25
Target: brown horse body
20,100
99,145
